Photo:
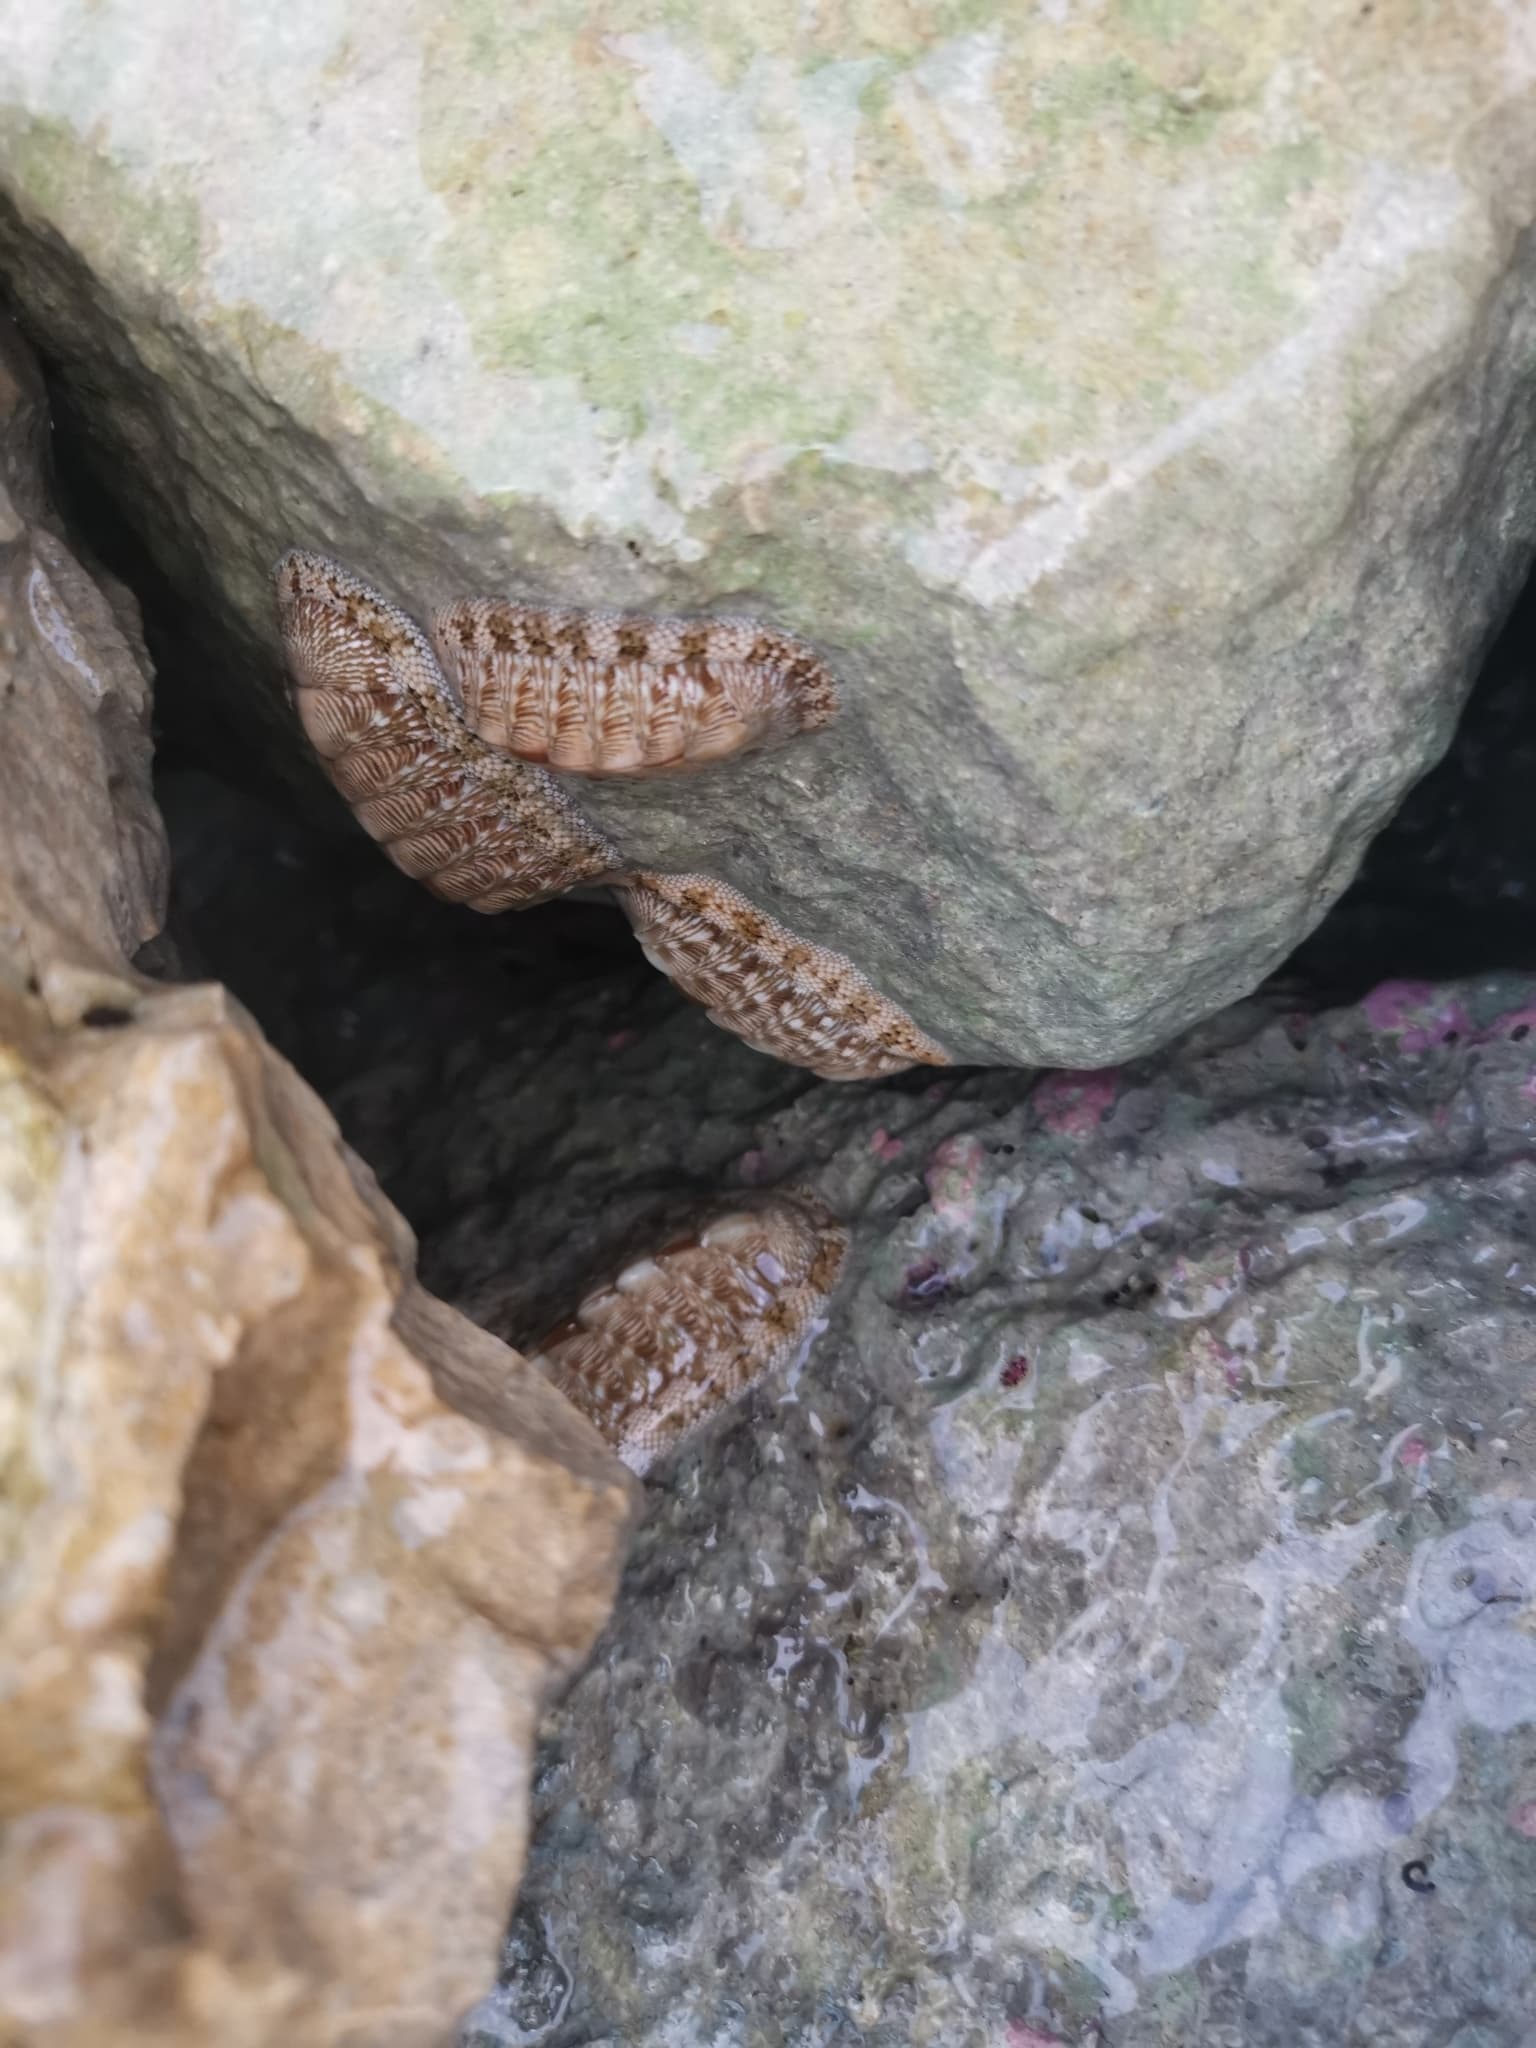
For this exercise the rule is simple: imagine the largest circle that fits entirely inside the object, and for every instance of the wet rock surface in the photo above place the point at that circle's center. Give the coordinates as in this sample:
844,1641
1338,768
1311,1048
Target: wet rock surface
1137,416
1122,1628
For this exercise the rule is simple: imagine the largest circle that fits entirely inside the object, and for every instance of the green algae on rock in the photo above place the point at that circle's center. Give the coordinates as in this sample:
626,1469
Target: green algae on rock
1134,403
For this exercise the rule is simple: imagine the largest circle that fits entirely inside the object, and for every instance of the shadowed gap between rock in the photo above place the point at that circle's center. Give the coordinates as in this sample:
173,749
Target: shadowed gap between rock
402,1010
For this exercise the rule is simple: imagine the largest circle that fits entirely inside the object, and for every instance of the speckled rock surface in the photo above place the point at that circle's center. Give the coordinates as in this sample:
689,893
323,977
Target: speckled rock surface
1134,403
1133,1586
1123,1629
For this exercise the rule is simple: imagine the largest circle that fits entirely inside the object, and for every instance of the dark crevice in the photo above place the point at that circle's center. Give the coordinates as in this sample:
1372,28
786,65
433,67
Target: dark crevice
189,640
397,1007
1449,887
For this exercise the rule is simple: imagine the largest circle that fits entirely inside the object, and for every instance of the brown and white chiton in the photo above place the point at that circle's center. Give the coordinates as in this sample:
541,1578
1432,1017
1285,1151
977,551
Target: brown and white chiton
801,1002
472,825
678,1335
601,693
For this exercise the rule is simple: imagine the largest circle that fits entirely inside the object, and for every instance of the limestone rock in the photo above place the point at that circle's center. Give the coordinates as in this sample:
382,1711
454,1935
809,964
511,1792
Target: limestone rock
1123,1628
241,1507
279,1620
1133,406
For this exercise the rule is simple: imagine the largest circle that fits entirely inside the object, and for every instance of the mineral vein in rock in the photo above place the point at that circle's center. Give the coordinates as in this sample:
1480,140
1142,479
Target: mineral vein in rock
783,995
598,693
679,1335
473,825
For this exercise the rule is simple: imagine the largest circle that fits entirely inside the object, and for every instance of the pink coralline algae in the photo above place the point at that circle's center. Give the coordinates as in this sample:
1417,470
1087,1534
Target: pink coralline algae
1074,1102
953,1174
1417,1014
885,1147
1515,1024
1022,2035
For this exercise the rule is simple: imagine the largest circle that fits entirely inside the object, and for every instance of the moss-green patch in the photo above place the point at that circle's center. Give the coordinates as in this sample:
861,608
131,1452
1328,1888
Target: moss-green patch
1078,1991
74,183
1312,1710
1167,20
1283,171
947,1671
1307,1458
770,283
1086,95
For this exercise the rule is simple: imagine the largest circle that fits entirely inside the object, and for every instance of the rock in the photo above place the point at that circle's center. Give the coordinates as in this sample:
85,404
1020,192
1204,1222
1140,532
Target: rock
294,1556
1123,1628
83,859
1136,412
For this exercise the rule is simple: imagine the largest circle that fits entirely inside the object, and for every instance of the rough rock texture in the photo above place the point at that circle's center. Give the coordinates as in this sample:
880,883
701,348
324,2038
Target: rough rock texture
1135,404
278,1620
83,859
1134,1584
1123,1629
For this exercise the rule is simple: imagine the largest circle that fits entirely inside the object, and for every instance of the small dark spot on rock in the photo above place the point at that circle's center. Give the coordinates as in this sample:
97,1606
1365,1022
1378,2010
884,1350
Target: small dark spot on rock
1416,1875
1133,1292
1521,1031
106,1016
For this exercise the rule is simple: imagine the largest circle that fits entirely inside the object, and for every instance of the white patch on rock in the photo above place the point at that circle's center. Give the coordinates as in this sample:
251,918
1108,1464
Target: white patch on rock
945,102
755,186
1396,218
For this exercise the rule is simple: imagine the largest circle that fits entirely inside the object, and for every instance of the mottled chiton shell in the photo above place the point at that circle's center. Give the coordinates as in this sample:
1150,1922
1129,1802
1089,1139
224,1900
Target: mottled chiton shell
800,1002
678,1335
474,826
596,693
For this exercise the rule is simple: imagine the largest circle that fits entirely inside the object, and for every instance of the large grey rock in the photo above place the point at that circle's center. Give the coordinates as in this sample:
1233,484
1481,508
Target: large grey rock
1137,404
1123,1629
